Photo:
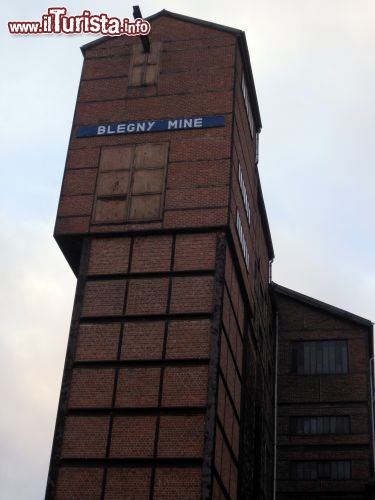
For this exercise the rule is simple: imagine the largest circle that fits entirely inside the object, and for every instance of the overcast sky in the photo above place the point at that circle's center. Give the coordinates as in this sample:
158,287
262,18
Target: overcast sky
313,64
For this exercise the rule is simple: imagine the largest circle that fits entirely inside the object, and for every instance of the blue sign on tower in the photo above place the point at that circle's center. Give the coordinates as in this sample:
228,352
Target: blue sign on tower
143,126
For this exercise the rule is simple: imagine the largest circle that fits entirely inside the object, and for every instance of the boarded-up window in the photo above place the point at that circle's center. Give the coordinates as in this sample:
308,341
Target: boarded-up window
144,66
131,183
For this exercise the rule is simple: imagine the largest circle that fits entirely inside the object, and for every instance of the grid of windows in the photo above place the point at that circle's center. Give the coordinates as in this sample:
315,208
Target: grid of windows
320,425
246,97
241,235
312,470
319,357
245,198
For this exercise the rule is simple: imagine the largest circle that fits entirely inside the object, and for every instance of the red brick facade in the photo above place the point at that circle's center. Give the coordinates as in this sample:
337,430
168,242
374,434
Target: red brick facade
308,397
151,402
168,387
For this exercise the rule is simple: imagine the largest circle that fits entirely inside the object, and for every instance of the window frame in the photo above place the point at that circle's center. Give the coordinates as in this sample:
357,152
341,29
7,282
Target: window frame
244,193
247,102
129,194
320,470
242,240
146,64
322,422
319,357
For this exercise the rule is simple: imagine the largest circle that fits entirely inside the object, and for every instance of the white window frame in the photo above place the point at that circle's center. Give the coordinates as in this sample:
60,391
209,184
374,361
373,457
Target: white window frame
243,189
241,236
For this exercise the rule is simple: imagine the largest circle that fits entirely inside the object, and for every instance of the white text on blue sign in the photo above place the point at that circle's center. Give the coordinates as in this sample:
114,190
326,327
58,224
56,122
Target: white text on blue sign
136,127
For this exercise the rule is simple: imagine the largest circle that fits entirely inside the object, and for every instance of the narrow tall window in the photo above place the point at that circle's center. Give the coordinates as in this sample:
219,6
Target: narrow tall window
243,189
245,93
241,236
144,66
319,357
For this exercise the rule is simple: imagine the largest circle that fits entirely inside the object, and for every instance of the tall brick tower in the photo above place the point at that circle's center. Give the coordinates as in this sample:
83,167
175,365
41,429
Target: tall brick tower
167,390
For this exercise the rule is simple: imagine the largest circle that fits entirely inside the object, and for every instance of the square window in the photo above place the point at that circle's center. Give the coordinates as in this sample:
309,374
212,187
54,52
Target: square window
131,183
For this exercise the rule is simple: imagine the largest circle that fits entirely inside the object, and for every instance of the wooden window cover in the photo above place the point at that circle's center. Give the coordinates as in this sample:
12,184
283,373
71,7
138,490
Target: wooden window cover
131,183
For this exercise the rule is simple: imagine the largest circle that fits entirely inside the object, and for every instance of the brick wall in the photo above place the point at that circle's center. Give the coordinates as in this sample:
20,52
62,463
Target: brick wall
142,359
198,172
322,395
158,334
83,483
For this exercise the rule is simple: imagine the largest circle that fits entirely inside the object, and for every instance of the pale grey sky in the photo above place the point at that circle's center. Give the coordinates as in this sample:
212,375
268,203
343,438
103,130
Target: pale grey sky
313,64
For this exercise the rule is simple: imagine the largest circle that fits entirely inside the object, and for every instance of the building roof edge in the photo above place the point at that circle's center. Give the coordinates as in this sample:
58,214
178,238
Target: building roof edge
167,13
318,304
238,33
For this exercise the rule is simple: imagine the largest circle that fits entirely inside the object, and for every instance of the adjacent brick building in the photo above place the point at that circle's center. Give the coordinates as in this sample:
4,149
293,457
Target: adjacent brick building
325,448
168,389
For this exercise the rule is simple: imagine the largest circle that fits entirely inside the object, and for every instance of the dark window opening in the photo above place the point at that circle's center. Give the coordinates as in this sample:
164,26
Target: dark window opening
314,470
320,425
319,357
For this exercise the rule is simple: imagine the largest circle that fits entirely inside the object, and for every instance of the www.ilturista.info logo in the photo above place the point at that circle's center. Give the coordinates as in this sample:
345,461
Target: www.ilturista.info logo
57,22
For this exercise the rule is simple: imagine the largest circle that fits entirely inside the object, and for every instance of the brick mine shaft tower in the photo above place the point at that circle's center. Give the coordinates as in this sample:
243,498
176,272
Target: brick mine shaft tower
167,390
